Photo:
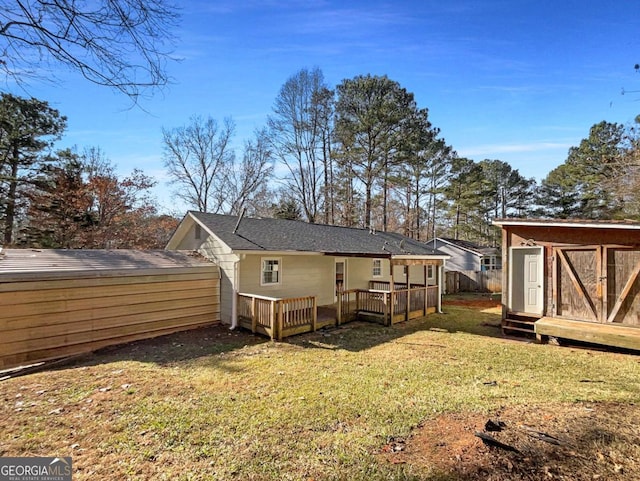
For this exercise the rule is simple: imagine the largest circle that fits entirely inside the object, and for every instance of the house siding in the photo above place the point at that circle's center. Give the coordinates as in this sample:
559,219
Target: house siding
300,276
461,260
212,248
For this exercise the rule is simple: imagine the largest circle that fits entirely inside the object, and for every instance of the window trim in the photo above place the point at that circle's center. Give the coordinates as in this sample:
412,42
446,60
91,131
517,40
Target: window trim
489,263
374,268
278,260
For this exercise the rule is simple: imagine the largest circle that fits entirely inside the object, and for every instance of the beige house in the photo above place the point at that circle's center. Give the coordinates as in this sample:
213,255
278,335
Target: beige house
281,277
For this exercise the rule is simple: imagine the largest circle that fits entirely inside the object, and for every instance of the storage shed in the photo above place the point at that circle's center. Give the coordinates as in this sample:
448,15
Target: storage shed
572,279
56,303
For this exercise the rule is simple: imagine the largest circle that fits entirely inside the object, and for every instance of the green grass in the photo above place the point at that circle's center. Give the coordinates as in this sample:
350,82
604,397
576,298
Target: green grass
318,406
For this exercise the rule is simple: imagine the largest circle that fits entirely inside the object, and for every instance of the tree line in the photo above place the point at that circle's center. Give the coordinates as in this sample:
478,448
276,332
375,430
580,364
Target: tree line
362,154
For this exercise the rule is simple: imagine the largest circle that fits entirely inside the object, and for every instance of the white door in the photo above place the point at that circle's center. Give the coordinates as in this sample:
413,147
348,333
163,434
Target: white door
526,280
532,283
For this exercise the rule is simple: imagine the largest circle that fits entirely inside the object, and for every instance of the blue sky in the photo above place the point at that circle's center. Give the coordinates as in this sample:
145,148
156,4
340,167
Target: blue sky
515,80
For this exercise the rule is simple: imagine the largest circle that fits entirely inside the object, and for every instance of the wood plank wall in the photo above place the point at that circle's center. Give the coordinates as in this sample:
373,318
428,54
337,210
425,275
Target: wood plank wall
42,319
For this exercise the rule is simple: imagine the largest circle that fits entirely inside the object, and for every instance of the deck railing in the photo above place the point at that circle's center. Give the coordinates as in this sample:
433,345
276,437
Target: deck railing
277,317
282,317
392,306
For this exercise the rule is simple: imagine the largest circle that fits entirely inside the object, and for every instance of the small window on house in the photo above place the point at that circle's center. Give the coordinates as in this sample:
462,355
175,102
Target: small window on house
377,268
489,263
270,272
198,232
430,272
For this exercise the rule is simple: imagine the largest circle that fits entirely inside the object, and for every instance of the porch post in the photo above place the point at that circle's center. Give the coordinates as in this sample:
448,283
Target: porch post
408,307
426,290
339,311
439,277
392,297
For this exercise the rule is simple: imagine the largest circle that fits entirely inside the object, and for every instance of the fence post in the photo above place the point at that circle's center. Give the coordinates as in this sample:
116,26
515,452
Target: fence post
388,308
426,300
272,320
254,317
280,320
315,313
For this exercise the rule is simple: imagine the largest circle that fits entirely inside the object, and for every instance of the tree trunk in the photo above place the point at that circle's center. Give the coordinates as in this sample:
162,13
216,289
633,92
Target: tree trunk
10,212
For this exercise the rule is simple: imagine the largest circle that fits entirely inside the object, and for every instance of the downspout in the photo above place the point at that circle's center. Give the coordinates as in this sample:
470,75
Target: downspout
234,299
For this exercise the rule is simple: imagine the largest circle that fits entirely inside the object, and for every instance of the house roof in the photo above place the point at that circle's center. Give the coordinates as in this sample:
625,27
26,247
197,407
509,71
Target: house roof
17,261
262,234
477,249
574,223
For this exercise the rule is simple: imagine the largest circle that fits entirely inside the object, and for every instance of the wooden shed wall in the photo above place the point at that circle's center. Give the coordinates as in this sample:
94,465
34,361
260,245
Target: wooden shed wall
555,236
66,314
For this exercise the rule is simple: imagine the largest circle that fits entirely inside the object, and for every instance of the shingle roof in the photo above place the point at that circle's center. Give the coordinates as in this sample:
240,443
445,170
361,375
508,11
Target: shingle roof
290,235
471,246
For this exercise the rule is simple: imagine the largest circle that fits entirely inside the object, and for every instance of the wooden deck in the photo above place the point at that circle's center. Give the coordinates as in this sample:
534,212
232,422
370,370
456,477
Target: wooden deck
614,335
283,317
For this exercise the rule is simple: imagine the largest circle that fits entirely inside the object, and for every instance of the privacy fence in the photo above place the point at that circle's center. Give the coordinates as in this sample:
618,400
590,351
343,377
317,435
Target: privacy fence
473,281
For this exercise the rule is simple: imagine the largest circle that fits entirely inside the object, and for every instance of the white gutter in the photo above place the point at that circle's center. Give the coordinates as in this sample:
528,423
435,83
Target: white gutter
234,298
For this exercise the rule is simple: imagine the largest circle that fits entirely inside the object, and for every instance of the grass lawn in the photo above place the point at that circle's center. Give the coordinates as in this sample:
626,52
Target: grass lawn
363,402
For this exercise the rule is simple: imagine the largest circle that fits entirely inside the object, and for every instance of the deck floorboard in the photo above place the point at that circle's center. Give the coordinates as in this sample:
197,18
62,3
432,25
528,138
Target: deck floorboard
615,335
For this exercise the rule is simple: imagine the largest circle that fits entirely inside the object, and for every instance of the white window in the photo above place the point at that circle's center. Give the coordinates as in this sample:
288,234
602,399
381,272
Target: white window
198,232
489,263
376,271
270,272
430,272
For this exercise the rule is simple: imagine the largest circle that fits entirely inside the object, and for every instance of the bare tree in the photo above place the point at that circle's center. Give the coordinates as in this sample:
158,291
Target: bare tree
247,184
122,44
298,132
198,157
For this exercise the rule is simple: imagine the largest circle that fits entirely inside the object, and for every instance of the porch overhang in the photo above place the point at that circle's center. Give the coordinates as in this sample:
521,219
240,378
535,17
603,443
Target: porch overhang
406,260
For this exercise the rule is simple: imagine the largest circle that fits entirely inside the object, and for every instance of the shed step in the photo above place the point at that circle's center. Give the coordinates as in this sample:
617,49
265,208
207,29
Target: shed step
519,326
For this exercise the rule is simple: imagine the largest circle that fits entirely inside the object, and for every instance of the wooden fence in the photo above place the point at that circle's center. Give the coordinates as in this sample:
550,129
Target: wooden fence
46,318
473,281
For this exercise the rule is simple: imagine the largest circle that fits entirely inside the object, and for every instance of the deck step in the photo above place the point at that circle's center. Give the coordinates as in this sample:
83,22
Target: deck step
520,325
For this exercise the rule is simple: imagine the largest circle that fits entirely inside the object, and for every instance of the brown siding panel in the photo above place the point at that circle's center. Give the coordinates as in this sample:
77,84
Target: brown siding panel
45,319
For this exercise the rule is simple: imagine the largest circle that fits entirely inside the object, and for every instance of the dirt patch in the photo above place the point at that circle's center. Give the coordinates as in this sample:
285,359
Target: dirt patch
566,442
481,301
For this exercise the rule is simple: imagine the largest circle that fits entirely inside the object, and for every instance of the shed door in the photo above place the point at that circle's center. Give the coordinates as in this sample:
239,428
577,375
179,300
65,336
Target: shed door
598,284
578,283
526,293
622,303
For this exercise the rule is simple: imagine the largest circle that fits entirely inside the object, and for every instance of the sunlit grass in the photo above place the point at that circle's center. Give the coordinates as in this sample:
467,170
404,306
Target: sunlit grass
318,406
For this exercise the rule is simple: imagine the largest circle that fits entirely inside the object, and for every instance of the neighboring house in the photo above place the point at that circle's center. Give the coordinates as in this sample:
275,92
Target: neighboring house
467,256
273,267
572,279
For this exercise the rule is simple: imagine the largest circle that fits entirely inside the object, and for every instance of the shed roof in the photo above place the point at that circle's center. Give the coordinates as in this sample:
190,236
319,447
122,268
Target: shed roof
14,261
261,234
575,223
